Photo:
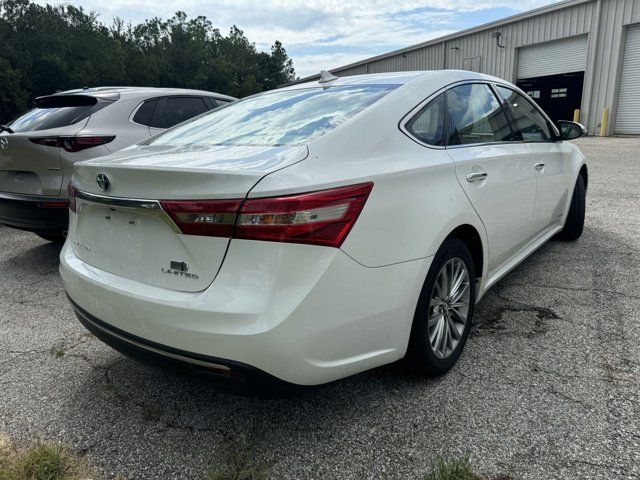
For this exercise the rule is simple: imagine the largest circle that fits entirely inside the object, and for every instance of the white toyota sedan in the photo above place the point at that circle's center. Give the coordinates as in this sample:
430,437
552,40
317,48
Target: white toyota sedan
313,232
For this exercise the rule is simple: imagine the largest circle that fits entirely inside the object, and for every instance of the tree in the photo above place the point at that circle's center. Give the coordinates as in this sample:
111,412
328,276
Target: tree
49,48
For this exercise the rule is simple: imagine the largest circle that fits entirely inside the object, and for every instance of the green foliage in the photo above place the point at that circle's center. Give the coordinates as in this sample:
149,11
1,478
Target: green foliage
41,461
453,470
50,48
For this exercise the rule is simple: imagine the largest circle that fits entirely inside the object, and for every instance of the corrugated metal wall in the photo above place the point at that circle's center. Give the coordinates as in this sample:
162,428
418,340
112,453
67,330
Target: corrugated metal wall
616,15
606,39
628,114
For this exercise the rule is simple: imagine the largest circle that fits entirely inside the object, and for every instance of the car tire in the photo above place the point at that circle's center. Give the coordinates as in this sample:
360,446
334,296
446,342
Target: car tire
575,219
422,355
55,237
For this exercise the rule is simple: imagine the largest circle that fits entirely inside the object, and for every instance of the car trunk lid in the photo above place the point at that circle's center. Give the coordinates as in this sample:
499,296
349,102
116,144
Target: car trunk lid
126,231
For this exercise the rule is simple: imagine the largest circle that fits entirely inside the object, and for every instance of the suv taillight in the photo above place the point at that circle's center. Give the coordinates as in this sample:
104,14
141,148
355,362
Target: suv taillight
73,143
71,190
324,217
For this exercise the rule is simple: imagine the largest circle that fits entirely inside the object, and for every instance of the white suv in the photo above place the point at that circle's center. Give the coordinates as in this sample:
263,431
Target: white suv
38,149
316,231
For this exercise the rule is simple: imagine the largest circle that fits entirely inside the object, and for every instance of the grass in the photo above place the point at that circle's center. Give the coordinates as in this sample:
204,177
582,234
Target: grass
241,464
459,469
41,461
58,352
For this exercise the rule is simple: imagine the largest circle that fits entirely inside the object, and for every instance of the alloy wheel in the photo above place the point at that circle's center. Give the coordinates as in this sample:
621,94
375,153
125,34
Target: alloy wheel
448,308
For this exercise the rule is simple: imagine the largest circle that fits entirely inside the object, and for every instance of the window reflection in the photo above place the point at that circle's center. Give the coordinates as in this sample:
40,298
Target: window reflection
280,118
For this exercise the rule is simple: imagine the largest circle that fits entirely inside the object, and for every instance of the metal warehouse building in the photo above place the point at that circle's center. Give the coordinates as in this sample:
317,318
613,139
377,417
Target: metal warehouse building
576,54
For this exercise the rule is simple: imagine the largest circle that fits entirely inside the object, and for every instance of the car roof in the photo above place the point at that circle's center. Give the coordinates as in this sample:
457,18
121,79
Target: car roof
142,92
400,78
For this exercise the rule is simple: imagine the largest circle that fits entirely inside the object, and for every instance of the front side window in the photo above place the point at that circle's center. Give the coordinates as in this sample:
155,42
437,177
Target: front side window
476,116
428,124
283,117
528,119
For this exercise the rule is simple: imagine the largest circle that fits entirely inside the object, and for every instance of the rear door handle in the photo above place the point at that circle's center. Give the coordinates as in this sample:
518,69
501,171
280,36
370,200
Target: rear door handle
539,166
476,176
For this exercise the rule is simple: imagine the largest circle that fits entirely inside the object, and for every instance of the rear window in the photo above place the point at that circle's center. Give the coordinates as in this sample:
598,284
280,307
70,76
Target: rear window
285,117
56,112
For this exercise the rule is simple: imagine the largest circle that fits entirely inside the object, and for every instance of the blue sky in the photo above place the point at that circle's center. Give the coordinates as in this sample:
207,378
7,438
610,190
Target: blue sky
323,34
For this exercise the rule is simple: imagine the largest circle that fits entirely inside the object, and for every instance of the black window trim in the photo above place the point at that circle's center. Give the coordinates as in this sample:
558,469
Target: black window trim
555,134
445,127
402,125
504,110
161,102
135,110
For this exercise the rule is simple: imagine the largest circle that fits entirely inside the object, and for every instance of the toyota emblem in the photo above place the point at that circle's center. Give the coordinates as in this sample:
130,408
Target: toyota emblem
103,181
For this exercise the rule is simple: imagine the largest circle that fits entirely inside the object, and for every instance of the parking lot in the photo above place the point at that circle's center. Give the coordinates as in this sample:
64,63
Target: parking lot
547,387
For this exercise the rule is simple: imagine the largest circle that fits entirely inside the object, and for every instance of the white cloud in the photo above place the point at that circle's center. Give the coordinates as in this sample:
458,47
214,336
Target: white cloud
321,33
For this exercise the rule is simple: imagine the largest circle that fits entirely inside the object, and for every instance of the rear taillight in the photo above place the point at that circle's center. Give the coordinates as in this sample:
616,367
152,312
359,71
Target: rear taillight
318,218
71,190
213,218
73,143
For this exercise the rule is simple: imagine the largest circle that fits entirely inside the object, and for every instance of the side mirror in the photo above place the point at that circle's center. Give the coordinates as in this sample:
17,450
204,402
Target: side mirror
571,130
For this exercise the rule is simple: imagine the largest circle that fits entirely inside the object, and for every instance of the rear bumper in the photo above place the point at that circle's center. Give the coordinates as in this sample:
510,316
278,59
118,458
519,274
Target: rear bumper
34,213
304,315
226,375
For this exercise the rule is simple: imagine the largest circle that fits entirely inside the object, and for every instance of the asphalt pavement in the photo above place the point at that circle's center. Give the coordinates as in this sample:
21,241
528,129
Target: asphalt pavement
547,388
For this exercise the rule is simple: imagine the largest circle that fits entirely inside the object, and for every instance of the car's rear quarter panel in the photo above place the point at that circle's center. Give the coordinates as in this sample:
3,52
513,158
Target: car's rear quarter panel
416,200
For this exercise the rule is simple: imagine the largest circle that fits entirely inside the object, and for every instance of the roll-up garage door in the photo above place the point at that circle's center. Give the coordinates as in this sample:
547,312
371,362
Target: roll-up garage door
628,116
553,58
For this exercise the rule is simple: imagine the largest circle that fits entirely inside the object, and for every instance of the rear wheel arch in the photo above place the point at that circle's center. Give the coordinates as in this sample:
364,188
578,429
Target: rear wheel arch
584,173
472,239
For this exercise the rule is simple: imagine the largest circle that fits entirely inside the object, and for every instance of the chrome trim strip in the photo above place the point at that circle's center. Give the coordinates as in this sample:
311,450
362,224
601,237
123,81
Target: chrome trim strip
149,207
149,348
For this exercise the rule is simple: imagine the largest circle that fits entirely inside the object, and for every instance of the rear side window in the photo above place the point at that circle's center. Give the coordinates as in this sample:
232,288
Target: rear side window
528,119
476,116
178,109
145,113
57,111
428,124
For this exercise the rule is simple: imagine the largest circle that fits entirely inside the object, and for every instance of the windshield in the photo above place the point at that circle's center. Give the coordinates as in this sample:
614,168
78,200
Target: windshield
286,117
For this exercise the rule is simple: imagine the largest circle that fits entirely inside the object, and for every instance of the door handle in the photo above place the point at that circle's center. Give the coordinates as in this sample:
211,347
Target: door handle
476,176
539,166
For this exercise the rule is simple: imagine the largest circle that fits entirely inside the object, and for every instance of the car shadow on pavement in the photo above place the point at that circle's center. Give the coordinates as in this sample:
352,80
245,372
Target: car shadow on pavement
116,393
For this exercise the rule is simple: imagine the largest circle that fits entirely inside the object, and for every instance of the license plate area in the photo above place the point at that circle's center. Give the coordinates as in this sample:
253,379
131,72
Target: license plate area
141,243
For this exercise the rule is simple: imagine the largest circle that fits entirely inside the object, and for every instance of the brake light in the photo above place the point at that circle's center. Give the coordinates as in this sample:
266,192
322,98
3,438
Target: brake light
71,189
73,143
324,217
318,218
207,217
